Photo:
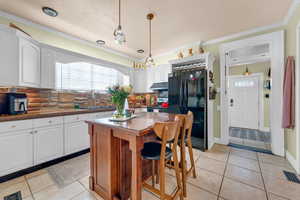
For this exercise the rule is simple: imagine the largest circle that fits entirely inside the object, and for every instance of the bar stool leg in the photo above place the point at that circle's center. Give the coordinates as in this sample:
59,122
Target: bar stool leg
189,143
157,171
177,171
183,166
162,179
153,172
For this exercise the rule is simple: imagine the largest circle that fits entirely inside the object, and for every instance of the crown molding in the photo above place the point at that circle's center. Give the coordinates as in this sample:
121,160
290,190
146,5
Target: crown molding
65,35
223,39
290,13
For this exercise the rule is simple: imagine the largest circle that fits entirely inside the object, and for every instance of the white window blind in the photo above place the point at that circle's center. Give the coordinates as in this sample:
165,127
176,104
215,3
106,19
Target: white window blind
86,76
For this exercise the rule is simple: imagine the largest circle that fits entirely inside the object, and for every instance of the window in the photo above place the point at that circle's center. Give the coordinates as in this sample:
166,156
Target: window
85,76
244,83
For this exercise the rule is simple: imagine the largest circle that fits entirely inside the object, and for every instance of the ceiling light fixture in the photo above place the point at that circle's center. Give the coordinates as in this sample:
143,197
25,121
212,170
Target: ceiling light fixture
247,72
100,42
149,60
50,11
140,51
118,33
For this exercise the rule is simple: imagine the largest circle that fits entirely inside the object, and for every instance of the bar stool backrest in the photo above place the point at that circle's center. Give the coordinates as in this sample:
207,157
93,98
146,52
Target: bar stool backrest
188,123
167,131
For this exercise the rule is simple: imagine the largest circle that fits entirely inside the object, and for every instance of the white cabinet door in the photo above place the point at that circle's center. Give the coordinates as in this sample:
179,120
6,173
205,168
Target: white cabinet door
29,64
150,78
162,73
167,69
48,143
76,137
47,68
140,81
16,151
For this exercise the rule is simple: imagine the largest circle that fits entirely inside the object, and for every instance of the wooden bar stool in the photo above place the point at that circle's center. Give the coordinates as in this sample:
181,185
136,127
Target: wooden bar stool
186,140
158,151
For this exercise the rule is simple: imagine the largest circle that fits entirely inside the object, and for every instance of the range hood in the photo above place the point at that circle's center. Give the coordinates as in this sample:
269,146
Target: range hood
159,86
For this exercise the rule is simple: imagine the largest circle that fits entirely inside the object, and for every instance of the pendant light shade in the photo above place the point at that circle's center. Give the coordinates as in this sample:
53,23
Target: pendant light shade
119,35
149,60
247,72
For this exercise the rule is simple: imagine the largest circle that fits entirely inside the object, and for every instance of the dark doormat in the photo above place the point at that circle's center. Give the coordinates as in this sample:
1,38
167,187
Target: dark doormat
291,177
14,196
239,146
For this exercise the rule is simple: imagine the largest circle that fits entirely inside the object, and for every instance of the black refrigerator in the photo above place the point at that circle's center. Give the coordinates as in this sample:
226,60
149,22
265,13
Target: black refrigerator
188,92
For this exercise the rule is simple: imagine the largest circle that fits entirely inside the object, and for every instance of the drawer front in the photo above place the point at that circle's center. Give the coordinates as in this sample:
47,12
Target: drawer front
76,118
15,125
47,121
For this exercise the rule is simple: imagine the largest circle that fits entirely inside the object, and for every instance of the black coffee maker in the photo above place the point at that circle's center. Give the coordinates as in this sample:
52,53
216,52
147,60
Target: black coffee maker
13,103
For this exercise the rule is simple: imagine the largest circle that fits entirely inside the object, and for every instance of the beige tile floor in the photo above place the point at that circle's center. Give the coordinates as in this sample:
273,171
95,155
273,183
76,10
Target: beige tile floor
223,173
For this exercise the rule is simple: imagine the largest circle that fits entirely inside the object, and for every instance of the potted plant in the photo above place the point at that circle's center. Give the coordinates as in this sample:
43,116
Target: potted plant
119,95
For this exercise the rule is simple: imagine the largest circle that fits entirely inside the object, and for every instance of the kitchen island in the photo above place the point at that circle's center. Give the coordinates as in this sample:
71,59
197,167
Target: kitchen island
117,168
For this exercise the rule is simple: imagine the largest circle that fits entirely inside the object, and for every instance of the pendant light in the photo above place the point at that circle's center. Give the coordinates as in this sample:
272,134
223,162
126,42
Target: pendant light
149,60
247,73
119,36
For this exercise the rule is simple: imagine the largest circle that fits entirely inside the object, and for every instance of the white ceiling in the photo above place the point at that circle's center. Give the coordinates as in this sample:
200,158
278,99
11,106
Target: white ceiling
177,22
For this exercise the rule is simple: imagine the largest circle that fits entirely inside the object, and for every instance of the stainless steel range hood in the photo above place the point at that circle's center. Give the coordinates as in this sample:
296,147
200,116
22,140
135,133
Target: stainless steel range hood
159,86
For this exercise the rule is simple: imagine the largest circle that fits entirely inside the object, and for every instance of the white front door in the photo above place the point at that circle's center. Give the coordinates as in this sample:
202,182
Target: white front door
244,101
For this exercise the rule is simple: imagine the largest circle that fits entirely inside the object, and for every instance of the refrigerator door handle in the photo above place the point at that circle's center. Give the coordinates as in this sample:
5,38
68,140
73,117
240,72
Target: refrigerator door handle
187,94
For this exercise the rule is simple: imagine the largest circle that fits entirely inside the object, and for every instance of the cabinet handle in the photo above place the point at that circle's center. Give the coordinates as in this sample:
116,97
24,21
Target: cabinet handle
50,121
35,131
31,132
13,126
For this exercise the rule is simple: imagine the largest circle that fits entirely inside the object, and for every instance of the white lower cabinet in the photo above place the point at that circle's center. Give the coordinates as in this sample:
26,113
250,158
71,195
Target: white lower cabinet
76,137
16,151
27,143
48,143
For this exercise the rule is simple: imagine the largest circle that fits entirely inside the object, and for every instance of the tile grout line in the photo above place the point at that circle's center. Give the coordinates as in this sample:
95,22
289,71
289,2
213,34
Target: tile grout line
29,187
262,177
223,177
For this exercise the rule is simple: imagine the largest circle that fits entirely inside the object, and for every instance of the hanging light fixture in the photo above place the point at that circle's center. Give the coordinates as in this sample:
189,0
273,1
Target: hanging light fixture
247,73
149,60
119,35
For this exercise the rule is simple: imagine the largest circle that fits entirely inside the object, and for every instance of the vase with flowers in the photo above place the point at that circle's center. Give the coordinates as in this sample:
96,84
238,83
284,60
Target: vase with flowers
119,95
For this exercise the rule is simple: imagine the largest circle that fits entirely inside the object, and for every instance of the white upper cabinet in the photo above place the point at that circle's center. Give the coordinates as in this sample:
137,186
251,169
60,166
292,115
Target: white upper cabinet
47,68
29,63
140,81
144,78
163,72
20,59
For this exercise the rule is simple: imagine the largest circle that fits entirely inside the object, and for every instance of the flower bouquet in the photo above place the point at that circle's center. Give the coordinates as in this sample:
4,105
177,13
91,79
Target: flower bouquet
118,96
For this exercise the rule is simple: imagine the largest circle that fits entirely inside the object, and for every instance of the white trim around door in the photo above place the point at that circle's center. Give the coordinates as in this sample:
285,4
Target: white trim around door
297,121
275,41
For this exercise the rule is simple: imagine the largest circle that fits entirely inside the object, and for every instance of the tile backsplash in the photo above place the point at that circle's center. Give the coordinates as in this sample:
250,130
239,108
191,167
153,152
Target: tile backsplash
44,99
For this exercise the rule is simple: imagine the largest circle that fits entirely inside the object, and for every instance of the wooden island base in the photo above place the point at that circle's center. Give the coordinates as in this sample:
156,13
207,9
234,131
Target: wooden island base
117,169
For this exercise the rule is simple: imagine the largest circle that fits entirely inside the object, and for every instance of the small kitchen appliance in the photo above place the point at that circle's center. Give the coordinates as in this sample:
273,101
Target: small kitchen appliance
13,103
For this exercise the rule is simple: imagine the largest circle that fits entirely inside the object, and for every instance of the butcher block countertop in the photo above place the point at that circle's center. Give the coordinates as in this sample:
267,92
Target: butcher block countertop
139,125
50,113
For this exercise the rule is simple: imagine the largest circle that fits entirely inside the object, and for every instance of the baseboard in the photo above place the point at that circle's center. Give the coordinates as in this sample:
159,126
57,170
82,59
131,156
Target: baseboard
292,161
211,144
41,166
220,141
